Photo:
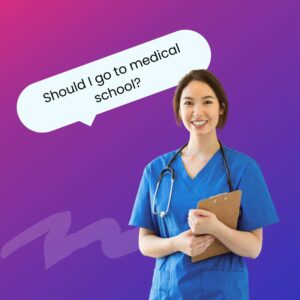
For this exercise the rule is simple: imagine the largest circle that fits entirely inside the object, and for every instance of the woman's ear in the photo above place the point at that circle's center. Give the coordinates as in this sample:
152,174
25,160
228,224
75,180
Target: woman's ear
222,108
179,114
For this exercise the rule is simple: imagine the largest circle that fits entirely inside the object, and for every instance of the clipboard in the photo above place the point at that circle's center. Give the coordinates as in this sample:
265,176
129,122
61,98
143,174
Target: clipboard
227,209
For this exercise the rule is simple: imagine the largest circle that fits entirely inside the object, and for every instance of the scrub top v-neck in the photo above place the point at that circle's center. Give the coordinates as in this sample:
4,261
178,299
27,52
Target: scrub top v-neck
221,277
196,180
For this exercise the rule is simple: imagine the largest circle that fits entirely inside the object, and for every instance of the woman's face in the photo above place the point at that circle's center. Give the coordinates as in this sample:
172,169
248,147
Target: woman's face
199,108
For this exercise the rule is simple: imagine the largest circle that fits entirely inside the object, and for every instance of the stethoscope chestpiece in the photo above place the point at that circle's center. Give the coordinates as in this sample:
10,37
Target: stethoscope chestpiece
162,214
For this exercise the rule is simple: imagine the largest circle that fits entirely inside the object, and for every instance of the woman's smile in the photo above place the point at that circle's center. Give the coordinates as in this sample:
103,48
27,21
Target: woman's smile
199,124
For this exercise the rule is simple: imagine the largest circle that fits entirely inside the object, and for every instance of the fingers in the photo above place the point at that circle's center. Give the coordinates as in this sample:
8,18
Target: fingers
204,239
204,245
194,245
200,250
192,219
209,239
199,212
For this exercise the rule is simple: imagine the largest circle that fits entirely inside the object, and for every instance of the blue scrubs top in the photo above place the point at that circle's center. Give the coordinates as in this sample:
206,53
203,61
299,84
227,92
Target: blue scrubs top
221,277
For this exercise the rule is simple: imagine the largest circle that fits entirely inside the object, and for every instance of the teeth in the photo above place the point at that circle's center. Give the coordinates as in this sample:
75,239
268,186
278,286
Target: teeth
199,123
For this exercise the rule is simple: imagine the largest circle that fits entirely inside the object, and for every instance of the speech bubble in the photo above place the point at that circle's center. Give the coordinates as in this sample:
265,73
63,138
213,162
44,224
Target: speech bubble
78,95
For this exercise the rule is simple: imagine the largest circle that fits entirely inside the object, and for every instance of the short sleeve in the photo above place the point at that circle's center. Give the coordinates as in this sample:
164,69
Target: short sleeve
257,208
141,214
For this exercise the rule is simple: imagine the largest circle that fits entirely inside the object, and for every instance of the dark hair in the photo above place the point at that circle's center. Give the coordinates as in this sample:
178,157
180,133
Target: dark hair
208,78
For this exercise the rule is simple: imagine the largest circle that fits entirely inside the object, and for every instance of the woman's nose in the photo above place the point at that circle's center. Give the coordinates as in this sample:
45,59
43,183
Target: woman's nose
198,109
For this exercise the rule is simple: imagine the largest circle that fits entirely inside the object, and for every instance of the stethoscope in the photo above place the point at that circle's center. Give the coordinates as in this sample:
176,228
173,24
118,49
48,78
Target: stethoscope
168,170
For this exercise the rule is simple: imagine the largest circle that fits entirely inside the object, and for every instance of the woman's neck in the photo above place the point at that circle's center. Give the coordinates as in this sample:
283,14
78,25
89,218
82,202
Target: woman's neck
202,147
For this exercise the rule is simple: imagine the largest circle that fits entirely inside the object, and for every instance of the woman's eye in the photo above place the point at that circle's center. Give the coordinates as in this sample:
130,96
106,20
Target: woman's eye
188,103
207,102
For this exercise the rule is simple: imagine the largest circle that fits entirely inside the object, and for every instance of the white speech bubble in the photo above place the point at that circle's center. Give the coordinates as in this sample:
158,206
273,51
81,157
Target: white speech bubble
86,91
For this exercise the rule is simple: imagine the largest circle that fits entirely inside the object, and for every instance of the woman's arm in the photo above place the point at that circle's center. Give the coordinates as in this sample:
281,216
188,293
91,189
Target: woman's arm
152,245
243,243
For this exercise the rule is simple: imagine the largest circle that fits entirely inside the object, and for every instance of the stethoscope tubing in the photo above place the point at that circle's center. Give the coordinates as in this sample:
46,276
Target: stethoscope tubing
169,170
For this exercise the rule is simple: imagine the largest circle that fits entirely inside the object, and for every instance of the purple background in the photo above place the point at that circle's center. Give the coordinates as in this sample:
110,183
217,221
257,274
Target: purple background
94,171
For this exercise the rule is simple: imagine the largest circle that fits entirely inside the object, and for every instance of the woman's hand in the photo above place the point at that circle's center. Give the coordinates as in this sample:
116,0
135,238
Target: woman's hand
192,245
202,221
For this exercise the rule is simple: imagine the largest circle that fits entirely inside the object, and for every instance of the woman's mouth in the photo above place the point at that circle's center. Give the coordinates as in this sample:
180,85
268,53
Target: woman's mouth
199,124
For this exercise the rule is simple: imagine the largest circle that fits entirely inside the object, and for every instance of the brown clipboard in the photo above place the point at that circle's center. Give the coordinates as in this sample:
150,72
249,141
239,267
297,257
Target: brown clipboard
227,209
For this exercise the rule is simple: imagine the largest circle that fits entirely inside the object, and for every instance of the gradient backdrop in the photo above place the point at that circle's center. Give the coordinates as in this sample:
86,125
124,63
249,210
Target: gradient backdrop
94,172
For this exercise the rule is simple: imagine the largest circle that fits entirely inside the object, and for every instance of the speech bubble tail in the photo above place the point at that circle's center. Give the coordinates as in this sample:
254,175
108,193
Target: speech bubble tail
88,119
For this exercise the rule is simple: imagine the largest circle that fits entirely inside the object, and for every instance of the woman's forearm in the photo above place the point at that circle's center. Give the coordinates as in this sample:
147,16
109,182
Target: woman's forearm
154,246
242,243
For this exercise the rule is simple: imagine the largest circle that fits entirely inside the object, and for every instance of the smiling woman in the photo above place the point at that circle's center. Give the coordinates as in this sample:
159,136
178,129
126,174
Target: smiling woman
172,231
199,108
203,85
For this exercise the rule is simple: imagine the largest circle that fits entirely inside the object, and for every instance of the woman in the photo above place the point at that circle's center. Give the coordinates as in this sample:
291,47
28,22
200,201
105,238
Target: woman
168,228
